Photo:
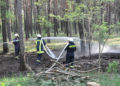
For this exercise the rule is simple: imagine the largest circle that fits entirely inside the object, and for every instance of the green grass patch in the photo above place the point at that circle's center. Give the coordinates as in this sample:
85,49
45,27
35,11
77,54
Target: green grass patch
105,79
114,41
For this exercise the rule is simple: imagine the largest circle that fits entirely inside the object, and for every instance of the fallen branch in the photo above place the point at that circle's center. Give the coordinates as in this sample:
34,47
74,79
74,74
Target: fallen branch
29,68
67,73
86,71
58,63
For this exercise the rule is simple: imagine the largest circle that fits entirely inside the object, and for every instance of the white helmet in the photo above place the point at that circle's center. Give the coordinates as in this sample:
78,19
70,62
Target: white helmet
70,39
16,35
38,35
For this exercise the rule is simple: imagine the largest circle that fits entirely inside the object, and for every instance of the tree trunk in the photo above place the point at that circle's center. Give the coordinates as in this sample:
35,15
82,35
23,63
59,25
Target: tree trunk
8,23
35,17
81,34
70,28
66,27
19,15
75,28
48,29
28,17
55,20
62,25
4,28
37,23
15,14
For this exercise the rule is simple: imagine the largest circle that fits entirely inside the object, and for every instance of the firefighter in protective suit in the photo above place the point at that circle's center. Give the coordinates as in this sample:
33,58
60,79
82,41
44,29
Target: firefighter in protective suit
71,48
39,47
17,46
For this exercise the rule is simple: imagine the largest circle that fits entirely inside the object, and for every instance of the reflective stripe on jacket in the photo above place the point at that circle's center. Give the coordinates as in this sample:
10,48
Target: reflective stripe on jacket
72,46
39,46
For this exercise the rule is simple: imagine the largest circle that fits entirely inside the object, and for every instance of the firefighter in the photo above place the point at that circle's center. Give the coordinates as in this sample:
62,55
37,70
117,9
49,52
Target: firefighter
17,45
40,48
71,48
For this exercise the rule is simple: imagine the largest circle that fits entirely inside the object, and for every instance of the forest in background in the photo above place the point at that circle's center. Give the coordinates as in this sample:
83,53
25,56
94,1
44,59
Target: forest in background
94,19
90,20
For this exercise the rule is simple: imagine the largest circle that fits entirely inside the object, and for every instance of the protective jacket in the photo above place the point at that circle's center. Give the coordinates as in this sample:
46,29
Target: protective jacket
17,45
16,42
39,46
71,48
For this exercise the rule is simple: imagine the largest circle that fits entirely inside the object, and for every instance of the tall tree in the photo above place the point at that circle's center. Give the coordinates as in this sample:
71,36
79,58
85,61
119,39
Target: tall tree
4,28
55,20
8,21
19,16
15,14
37,23
81,34
28,17
48,28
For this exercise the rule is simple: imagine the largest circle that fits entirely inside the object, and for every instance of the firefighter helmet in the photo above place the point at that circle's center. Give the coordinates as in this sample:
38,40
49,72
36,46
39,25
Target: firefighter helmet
38,35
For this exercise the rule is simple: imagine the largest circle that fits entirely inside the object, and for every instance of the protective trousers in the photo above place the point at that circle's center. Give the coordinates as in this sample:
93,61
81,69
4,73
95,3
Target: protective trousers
17,50
38,58
69,60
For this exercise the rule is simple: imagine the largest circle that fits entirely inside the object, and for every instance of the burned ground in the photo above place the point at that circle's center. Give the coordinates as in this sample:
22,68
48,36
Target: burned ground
10,66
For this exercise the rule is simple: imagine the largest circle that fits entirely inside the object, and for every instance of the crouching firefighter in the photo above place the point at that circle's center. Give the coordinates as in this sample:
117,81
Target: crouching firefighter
17,46
40,47
71,48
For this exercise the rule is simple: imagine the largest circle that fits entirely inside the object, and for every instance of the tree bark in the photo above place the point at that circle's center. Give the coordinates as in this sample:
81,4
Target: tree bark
55,20
8,23
37,23
4,28
28,17
66,27
81,34
15,14
75,28
19,15
48,29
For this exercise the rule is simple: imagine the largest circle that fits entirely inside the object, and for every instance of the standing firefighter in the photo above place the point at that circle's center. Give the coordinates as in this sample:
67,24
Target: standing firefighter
17,45
71,48
40,48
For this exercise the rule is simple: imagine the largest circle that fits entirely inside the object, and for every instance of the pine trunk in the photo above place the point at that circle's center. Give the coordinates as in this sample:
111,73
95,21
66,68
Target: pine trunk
81,33
19,15
4,28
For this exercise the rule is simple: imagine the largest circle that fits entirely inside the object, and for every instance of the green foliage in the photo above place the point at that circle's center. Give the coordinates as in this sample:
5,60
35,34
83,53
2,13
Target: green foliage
37,3
101,31
107,0
2,3
45,24
2,84
116,26
56,16
10,15
18,85
77,14
113,67
47,83
104,79
43,20
40,2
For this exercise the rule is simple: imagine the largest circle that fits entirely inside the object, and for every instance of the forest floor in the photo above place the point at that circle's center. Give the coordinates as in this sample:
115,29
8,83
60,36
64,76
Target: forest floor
84,66
85,70
10,66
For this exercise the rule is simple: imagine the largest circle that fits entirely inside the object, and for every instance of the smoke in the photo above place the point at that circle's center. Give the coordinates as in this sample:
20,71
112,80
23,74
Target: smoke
57,44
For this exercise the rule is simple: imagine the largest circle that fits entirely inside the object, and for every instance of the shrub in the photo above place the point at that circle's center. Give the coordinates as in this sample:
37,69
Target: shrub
112,67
